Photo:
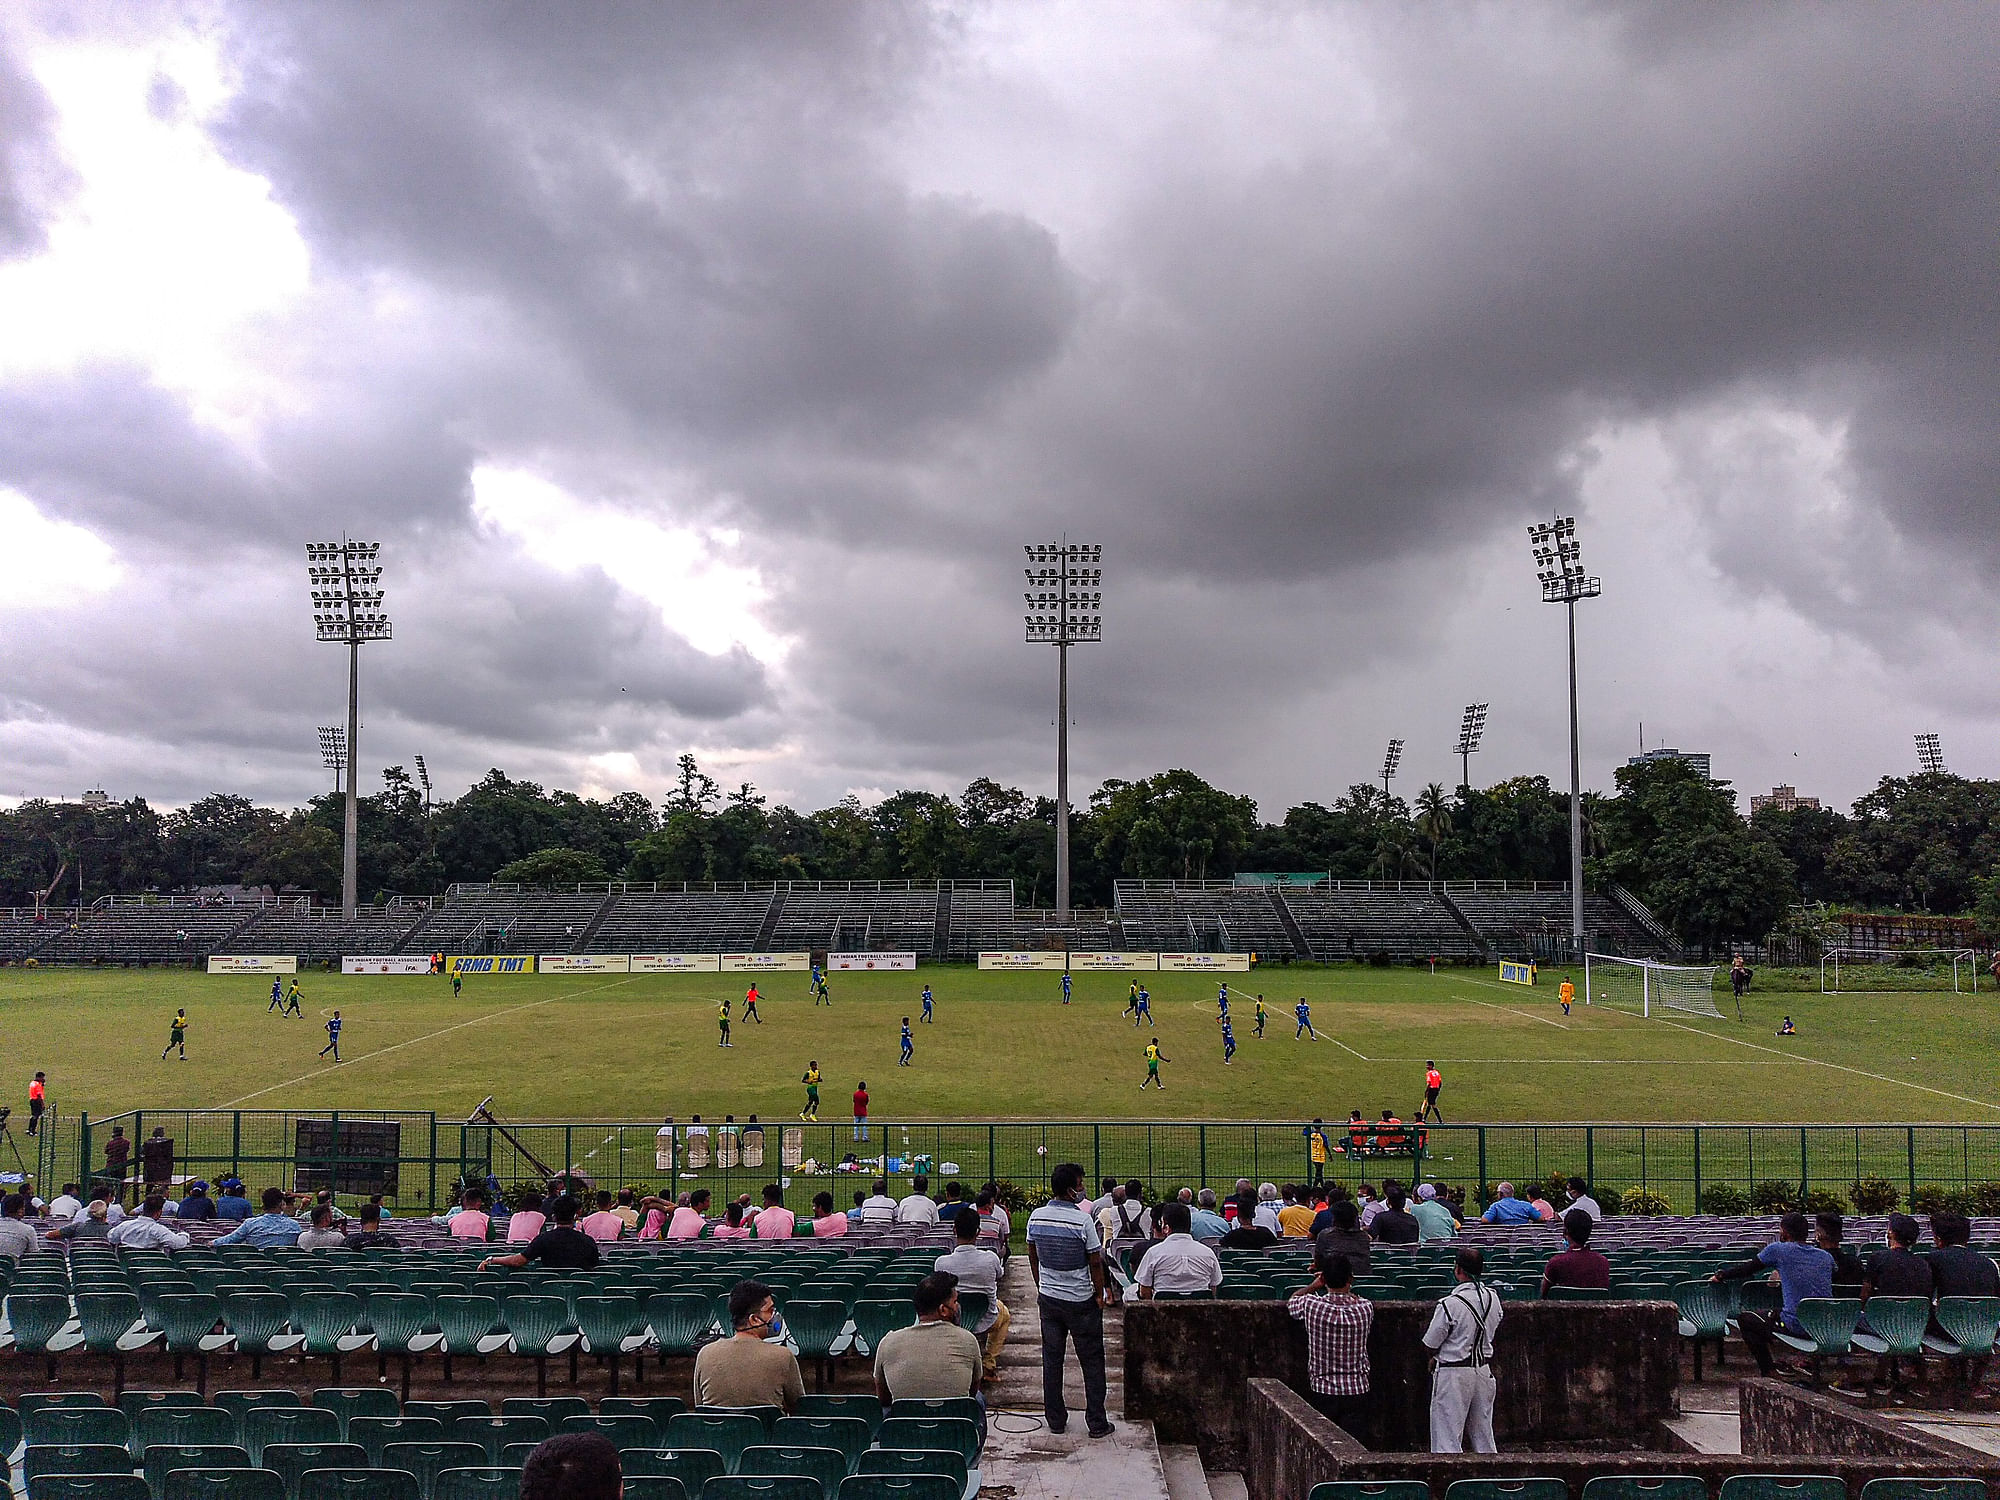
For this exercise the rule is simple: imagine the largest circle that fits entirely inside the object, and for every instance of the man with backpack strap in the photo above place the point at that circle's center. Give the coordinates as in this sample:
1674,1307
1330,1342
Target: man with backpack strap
1460,1339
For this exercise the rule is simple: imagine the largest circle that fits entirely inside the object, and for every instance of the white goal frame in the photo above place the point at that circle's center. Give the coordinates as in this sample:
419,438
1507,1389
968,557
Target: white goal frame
1829,964
1654,992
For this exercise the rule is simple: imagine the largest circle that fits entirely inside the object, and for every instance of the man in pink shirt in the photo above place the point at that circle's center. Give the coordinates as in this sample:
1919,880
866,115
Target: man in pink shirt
603,1226
690,1218
470,1222
528,1220
774,1221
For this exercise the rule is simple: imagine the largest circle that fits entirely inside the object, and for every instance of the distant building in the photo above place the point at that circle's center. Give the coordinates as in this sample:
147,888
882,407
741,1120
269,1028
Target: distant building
1695,758
1783,799
97,797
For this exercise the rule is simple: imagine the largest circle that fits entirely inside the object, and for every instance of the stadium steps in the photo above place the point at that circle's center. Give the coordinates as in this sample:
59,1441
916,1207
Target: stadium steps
941,923
1444,900
1019,1387
771,915
589,933
410,942
1630,904
1294,934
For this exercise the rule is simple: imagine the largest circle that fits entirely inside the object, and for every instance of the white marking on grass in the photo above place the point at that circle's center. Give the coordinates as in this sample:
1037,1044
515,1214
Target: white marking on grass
1922,1088
430,1036
1329,1037
1524,1015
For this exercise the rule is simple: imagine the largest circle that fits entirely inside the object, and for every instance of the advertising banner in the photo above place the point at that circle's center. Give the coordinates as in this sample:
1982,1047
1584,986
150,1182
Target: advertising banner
1207,963
584,963
1051,958
765,963
871,961
1120,962
386,963
675,963
252,963
490,963
1516,973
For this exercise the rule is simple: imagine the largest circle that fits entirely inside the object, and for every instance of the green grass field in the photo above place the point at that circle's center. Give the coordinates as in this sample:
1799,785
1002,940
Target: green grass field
1003,1047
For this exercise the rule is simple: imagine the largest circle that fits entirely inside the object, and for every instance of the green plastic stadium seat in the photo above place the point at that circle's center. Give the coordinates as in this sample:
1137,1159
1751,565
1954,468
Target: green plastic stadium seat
183,1427
495,1433
1829,1324
358,1484
1704,1310
291,1460
132,1403
898,1487
762,1487
372,1434
361,1401
1507,1489
447,1412
75,1458
965,1407
1896,1326
623,1432
725,1433
877,1316
816,1326
680,1321
478,1484
1970,1325
693,1467
1782,1487
863,1408
948,1462
41,1400
224,1484
953,1433
659,1410
38,1320
612,1325
239,1404
1924,1489
66,1426
826,1467
162,1459
89,1487
289,1424
1646,1487
1388,1489
428,1460
551,1409
848,1436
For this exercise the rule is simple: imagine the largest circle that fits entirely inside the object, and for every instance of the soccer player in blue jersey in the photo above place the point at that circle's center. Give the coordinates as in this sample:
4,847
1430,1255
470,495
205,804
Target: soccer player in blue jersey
928,1002
1222,1002
1065,986
1143,1006
277,997
909,1045
1228,1042
1304,1012
332,1037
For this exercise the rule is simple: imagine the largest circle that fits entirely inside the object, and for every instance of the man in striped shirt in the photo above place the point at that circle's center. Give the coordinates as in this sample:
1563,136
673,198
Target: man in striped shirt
1337,1324
1065,1256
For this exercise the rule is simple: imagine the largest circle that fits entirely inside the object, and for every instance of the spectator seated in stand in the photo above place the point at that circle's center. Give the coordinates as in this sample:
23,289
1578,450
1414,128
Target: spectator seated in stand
1804,1270
1956,1269
1544,1210
1579,1198
370,1236
878,1208
827,1221
1247,1234
234,1204
91,1224
733,1225
143,1231
774,1221
1208,1225
1269,1206
1345,1236
1507,1209
1433,1216
320,1233
269,1229
527,1221
573,1466
560,1247
1295,1217
470,1221
1395,1224
918,1209
1848,1272
749,1368
67,1205
935,1359
1579,1265
1177,1264
604,1225
196,1207
17,1240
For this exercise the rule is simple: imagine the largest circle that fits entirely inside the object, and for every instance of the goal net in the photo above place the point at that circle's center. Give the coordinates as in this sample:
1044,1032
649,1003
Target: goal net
1855,969
1643,987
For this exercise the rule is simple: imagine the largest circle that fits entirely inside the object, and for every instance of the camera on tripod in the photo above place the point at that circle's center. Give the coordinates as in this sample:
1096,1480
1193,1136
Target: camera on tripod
6,1113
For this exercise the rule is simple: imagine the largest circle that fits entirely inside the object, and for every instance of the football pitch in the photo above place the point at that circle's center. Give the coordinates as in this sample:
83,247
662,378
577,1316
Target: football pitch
1002,1047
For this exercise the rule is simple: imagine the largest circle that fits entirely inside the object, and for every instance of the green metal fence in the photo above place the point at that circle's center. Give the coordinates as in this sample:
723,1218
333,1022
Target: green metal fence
1676,1162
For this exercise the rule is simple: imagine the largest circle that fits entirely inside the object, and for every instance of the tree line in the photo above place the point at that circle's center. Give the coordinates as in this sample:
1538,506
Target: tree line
1676,840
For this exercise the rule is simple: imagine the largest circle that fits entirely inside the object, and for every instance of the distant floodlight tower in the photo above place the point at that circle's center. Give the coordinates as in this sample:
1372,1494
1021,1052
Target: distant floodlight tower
347,610
424,780
1930,755
333,752
1469,731
1065,601
1559,565
1392,761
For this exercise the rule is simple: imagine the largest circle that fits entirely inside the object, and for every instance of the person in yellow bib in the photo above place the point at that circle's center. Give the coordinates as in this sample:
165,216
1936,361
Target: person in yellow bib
722,1020
177,1036
1567,994
1154,1057
811,1081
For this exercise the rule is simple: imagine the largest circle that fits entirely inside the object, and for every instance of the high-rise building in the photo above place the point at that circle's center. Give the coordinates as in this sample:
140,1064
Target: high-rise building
96,797
1783,799
1696,758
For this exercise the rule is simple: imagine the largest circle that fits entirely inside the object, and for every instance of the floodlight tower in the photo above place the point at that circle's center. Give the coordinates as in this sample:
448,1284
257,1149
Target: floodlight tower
1392,761
1065,603
1469,731
333,752
1930,755
1559,566
347,610
424,780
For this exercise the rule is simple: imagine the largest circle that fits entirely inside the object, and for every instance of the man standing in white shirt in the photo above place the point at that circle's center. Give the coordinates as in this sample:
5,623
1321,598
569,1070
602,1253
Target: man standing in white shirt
144,1231
878,1207
1460,1339
67,1205
1178,1265
917,1209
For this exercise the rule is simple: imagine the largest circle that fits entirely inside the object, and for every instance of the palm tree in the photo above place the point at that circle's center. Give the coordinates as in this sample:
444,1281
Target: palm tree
1433,819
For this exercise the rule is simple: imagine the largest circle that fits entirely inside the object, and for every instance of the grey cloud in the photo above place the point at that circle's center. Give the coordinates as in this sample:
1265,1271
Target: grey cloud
34,178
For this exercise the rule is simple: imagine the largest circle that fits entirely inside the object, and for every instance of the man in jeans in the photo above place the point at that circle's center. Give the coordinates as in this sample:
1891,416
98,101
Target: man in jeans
1065,1256
1804,1270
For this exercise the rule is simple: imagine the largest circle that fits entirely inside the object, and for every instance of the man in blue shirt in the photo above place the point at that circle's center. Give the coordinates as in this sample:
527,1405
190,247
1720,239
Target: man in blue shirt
232,1204
1065,986
272,1227
1066,1260
1207,1224
1304,1012
928,1003
1507,1209
1804,1270
909,1045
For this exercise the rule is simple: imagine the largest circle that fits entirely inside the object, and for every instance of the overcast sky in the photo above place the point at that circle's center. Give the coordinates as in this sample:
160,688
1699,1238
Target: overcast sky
702,369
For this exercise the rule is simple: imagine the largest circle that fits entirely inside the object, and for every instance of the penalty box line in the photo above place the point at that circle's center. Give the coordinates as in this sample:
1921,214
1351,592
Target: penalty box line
1318,1035
1922,1088
429,1036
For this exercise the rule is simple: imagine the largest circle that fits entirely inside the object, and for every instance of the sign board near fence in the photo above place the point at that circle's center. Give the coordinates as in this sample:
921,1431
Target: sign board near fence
490,963
765,963
252,963
1123,963
1053,958
676,963
585,963
349,1156
871,961
386,963
1207,963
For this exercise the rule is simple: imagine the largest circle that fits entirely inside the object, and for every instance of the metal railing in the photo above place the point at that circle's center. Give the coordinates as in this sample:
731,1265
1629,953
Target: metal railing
1679,1163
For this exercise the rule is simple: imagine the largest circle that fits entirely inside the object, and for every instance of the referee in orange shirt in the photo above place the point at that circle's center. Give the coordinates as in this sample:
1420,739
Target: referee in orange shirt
1433,1081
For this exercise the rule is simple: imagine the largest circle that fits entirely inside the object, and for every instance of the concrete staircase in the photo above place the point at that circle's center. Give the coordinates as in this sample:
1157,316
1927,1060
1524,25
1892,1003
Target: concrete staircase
1020,1385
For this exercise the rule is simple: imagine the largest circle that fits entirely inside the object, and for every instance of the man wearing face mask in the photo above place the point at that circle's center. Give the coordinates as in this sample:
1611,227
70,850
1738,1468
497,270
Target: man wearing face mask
749,1369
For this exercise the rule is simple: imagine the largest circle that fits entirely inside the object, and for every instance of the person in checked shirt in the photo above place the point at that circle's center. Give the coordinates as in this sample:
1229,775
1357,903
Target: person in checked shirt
1337,1324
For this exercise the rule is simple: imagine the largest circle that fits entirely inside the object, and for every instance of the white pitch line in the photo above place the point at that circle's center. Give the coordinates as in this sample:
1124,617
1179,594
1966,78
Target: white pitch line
1922,1088
1329,1036
427,1037
1524,1015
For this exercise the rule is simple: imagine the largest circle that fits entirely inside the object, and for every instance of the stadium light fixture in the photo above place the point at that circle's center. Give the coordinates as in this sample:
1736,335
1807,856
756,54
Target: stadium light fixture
1559,566
1392,761
424,780
333,752
347,610
1469,730
1930,755
1065,607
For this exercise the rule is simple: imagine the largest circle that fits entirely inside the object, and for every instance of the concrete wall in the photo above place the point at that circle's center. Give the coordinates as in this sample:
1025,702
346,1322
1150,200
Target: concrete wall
1569,1372
1782,1418
1289,1447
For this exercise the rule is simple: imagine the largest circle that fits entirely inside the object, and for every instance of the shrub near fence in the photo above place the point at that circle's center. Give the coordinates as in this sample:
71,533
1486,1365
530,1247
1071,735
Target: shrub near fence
1720,1168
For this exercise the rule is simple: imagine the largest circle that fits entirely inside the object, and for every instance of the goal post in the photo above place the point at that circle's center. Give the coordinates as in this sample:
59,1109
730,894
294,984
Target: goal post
1845,969
1643,987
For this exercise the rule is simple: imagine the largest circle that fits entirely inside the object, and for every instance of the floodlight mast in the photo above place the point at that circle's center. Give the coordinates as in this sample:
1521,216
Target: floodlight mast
333,752
1391,762
1930,755
1469,731
1065,603
347,610
1559,566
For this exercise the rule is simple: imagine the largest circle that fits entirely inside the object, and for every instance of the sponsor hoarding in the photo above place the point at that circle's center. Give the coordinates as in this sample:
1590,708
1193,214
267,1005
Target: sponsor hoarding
675,963
253,963
386,963
490,963
584,963
765,963
1049,958
1516,973
1207,963
1121,962
871,961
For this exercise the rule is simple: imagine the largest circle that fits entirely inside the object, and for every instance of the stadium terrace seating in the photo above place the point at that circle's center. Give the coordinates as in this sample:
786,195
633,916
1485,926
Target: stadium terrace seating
553,923
1510,920
691,921
475,916
1207,915
1406,923
22,931
139,930
314,933
856,918
982,918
